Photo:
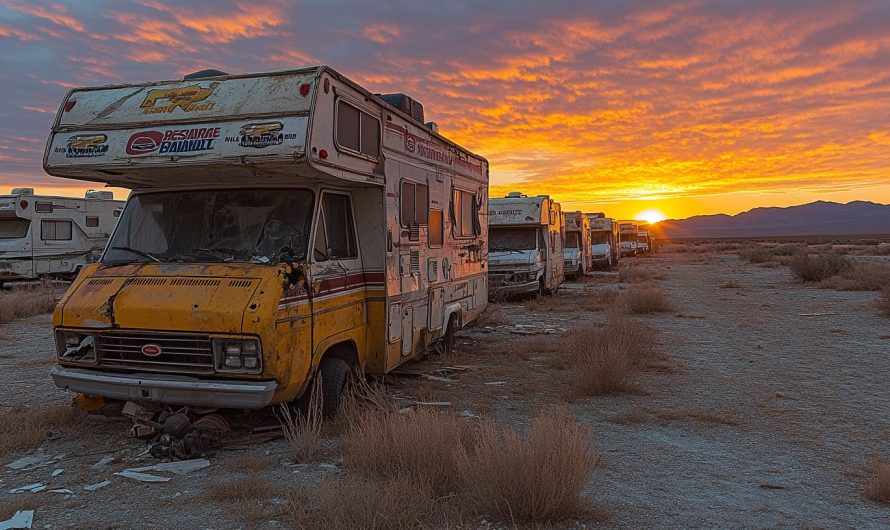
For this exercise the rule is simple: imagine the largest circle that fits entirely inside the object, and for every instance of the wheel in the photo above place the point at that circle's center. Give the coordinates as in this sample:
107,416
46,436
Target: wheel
445,345
334,375
580,272
541,290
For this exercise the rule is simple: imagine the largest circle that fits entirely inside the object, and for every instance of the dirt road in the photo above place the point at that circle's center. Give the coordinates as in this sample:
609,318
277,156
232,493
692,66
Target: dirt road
775,400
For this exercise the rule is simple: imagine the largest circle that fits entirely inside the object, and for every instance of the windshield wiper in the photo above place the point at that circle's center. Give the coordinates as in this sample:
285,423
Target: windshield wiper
217,250
139,252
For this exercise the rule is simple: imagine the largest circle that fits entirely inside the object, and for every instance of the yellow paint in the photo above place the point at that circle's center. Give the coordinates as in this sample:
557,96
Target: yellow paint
232,300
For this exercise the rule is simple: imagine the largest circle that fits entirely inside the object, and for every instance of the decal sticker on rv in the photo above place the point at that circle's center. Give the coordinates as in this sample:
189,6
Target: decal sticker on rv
428,150
260,135
188,99
173,141
86,146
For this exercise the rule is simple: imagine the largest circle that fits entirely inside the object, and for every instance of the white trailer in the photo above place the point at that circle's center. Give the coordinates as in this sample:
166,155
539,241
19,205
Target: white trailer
628,234
292,217
577,252
49,236
604,240
525,245
643,240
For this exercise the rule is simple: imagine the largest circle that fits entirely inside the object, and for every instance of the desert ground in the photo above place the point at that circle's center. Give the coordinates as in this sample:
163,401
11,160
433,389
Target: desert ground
762,402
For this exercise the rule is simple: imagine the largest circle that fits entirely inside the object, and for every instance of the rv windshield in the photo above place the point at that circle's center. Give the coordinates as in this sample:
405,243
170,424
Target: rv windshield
507,239
572,240
262,226
599,238
15,228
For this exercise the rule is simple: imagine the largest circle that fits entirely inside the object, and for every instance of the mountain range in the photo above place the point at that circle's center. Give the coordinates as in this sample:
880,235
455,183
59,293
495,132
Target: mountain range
815,218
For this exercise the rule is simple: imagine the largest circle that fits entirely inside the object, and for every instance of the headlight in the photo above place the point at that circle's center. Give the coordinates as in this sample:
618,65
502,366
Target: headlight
521,277
237,355
76,347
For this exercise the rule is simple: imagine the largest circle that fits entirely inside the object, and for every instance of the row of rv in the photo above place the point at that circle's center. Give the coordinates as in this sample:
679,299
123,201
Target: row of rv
283,225
533,245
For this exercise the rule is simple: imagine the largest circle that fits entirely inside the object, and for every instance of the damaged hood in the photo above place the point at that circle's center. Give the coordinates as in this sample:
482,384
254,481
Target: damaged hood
600,250
168,296
512,258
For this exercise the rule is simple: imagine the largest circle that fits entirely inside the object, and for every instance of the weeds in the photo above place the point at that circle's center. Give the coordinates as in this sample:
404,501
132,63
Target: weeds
25,303
883,302
731,284
246,489
608,357
645,299
24,427
818,267
860,276
638,274
878,488
304,432
356,502
418,447
758,254
535,477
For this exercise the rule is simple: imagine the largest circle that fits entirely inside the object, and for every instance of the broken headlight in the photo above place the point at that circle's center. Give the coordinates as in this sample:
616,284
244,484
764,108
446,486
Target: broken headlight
238,355
76,347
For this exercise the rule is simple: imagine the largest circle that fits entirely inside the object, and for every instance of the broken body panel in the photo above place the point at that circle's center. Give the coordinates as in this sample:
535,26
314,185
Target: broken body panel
525,245
53,236
276,220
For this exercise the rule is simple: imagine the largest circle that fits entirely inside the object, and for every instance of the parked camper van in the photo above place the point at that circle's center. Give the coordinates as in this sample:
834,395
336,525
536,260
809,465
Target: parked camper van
525,245
576,248
628,233
281,225
604,237
643,240
54,237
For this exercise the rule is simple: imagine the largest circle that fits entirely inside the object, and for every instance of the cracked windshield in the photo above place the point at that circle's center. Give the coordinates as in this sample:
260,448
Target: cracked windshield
261,226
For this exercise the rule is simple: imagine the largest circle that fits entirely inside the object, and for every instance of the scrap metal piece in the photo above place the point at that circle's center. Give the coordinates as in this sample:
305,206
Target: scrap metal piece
97,486
141,477
33,459
20,519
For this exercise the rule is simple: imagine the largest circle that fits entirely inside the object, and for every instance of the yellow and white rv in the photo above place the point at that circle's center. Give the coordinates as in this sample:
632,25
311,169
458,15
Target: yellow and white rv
280,225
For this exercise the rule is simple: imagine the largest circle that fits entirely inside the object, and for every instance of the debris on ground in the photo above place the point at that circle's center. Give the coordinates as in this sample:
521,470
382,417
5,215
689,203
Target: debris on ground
180,467
37,487
104,461
141,477
97,486
21,519
66,491
33,459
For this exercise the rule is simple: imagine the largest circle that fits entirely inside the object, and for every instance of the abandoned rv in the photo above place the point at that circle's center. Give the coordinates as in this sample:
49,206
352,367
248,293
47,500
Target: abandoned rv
525,245
47,236
604,240
576,250
281,225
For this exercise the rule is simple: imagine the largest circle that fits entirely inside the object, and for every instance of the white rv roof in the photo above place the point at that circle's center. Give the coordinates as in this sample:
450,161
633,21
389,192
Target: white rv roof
519,210
600,223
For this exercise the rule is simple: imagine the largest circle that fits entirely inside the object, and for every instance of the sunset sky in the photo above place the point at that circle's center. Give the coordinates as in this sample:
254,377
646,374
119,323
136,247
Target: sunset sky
686,108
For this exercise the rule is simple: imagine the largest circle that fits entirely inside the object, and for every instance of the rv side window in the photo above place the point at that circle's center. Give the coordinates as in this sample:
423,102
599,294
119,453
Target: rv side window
339,233
92,222
43,207
464,211
415,200
437,228
55,230
357,131
14,228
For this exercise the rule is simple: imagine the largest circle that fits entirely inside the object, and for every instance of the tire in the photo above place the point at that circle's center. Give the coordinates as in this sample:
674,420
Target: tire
445,345
334,376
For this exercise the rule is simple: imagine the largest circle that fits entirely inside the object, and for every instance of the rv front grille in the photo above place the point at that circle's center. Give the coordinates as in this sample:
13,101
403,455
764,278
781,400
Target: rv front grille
176,353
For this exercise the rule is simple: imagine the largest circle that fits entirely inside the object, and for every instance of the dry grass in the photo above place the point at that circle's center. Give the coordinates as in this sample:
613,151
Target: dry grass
883,302
418,447
24,427
599,300
704,416
608,357
878,488
246,489
862,275
356,502
638,274
731,284
645,299
534,477
305,432
492,317
758,254
252,462
25,303
18,502
818,267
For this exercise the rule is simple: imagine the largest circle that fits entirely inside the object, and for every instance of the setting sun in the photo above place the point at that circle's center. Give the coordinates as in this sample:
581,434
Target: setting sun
651,216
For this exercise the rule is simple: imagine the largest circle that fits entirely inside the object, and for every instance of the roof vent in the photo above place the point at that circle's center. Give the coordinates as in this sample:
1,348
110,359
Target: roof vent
433,126
103,195
204,74
22,191
516,195
596,215
406,104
